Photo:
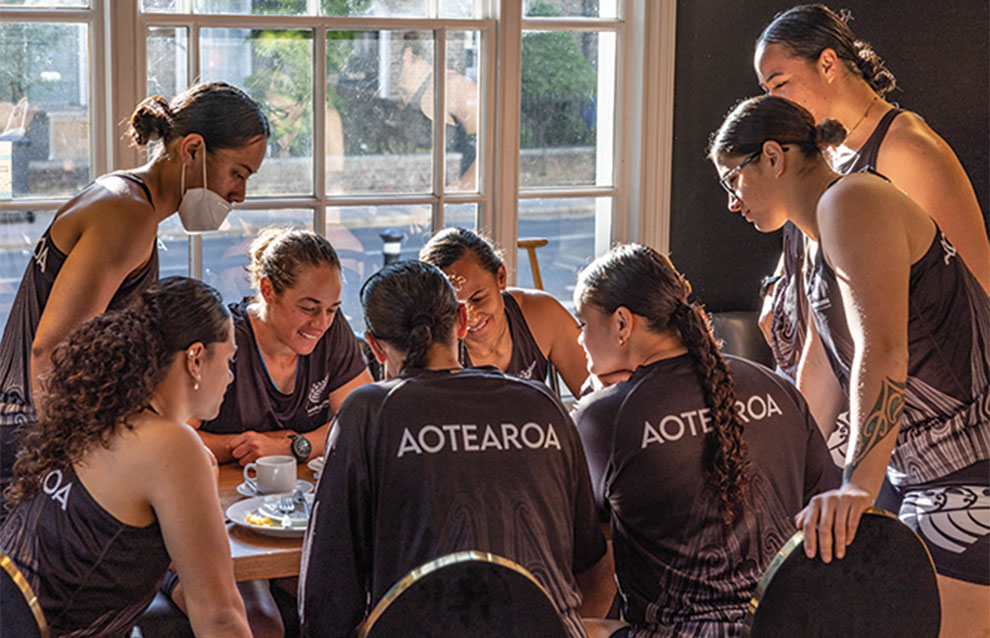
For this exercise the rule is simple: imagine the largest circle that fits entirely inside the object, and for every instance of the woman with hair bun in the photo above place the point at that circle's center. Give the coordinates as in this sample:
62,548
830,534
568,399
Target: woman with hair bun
440,459
297,356
808,54
518,331
899,327
701,461
111,485
100,250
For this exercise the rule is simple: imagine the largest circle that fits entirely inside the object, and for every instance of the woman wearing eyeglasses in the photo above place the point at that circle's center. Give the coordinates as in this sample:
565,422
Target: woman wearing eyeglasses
809,54
898,324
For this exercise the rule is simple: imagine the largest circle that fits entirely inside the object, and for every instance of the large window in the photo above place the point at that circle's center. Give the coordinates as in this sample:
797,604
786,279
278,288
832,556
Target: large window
355,91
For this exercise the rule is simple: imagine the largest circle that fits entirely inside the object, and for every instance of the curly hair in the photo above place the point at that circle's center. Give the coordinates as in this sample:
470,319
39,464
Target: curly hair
105,371
646,282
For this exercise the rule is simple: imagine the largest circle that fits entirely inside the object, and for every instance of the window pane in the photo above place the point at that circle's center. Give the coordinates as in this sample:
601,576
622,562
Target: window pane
460,9
173,248
160,6
377,8
19,232
275,67
49,4
463,113
568,96
258,7
463,215
44,104
570,8
379,132
167,60
225,252
569,224
356,234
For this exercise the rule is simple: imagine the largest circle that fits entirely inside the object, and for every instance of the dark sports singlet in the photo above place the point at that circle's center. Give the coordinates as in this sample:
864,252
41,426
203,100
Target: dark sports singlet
681,571
789,321
93,574
946,422
527,360
254,403
15,350
434,462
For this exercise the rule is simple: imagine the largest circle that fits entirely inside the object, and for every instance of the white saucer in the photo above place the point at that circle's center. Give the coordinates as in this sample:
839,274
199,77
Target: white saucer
305,486
316,465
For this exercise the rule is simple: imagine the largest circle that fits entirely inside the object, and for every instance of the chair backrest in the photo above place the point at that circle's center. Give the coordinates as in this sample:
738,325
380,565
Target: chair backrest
885,586
739,331
470,593
21,613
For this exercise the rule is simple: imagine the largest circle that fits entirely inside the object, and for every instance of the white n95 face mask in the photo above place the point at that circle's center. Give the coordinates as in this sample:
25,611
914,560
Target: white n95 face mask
200,209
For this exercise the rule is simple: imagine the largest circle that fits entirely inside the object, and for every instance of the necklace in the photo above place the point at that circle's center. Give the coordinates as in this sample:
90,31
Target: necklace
863,117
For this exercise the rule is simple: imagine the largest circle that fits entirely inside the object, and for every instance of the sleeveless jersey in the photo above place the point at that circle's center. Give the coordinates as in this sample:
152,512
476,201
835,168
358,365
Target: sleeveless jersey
15,350
789,320
946,422
93,574
254,403
681,570
434,462
527,360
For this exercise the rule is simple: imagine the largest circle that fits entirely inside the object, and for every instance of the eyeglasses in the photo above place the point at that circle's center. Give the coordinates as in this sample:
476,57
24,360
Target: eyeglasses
725,179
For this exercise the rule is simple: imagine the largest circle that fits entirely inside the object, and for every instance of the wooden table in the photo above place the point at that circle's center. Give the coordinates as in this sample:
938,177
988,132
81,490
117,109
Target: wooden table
257,556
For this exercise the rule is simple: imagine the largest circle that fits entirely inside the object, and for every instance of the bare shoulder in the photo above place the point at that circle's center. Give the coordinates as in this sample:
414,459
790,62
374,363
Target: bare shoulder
165,445
537,305
910,139
862,200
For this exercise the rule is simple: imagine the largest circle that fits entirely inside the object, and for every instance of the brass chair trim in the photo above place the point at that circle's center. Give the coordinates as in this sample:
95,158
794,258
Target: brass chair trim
412,577
28,593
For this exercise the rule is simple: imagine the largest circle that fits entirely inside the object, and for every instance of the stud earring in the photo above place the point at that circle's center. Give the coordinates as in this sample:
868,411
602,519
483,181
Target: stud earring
191,353
196,386
622,341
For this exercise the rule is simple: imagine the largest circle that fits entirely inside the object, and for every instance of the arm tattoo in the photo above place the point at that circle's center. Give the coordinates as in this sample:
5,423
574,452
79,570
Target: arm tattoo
883,418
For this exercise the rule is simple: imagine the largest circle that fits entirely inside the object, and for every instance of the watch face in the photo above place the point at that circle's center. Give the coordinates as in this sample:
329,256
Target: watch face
301,447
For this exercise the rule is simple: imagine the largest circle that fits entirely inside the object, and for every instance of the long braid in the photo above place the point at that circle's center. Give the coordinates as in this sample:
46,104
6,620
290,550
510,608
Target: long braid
725,451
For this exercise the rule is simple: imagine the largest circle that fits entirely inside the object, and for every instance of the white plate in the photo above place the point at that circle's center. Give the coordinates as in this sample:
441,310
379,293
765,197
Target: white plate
304,486
238,512
316,465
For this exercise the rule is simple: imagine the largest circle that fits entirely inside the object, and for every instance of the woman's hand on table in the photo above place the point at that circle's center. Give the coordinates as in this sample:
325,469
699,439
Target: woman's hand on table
248,446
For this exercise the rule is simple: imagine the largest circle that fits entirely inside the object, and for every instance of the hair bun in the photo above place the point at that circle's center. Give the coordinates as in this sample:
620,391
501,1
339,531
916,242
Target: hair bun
872,67
151,120
829,132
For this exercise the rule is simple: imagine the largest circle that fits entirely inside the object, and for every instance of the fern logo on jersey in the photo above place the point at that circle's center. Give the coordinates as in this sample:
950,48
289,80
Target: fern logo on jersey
315,396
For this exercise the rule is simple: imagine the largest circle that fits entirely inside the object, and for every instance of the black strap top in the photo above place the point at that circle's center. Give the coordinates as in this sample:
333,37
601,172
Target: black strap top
866,157
527,361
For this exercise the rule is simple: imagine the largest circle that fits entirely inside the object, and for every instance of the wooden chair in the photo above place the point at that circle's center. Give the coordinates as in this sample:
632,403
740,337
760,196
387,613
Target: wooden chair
21,613
530,245
469,593
884,587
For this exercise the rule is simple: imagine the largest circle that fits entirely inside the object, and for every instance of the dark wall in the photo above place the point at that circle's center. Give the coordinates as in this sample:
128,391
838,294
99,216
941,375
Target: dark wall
938,52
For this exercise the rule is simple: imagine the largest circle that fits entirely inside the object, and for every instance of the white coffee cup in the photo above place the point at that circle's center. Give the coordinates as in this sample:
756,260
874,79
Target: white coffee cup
272,474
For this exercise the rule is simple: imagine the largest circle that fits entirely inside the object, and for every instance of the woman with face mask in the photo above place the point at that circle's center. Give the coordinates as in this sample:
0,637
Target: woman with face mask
514,329
809,55
701,461
100,250
899,327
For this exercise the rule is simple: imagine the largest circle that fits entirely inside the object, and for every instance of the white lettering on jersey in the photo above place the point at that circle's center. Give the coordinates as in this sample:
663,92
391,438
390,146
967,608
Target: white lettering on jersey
431,439
41,254
58,492
673,427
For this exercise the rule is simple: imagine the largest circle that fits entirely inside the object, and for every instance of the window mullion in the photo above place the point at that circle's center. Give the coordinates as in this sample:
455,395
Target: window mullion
319,129
439,124
504,225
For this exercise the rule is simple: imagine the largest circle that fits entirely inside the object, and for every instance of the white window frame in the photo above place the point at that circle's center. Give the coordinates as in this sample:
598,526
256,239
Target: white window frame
643,131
